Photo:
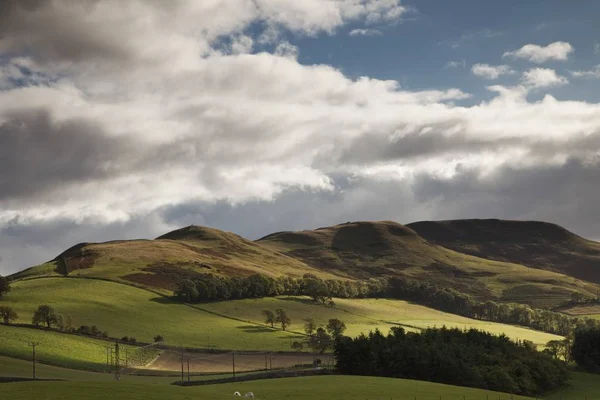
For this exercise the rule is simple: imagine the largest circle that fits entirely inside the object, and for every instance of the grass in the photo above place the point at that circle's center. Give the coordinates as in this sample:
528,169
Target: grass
364,315
128,311
326,387
581,386
123,310
55,348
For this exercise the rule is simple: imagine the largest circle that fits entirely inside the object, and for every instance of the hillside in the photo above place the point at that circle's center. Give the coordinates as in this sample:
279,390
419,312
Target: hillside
161,263
368,249
534,244
353,251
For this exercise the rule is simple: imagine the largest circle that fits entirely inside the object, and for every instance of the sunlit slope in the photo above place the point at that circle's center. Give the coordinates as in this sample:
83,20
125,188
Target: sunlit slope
124,310
368,249
365,315
128,311
161,263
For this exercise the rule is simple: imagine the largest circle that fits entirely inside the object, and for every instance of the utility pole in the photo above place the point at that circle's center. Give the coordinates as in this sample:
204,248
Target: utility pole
233,363
33,344
117,362
188,362
182,367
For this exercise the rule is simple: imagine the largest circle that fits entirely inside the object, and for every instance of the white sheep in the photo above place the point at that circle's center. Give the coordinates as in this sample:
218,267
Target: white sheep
249,395
237,394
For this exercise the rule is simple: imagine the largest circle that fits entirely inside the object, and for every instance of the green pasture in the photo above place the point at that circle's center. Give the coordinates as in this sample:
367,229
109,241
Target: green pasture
305,388
123,310
71,351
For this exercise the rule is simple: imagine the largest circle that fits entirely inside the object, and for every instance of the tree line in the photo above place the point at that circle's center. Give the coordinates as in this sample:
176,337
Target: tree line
209,287
466,358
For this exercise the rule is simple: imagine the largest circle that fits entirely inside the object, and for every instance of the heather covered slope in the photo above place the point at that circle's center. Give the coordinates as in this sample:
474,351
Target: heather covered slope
534,244
366,249
161,263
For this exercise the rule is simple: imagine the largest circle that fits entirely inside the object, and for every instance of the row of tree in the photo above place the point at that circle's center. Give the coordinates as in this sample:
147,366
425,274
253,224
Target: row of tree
320,338
453,301
209,287
465,358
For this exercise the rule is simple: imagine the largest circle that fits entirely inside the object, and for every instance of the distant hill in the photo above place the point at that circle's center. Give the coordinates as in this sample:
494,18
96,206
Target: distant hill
535,244
361,250
162,262
354,251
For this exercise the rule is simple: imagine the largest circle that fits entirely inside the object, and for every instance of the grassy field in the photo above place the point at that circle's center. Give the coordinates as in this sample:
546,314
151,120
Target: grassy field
128,311
54,348
581,386
364,315
123,310
314,388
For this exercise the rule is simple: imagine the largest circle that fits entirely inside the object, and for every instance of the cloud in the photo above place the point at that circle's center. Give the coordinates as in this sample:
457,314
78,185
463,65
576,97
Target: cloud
111,129
470,37
543,78
597,48
455,64
558,51
365,32
594,73
487,71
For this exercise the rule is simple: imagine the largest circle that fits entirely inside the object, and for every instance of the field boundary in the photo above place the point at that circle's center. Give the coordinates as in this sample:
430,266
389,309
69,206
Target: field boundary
259,376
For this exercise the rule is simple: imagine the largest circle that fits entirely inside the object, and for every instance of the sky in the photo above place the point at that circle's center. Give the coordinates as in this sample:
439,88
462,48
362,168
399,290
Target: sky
123,120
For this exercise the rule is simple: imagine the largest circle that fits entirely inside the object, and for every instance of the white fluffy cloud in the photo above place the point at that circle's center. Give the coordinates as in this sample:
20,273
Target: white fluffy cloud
455,64
487,71
543,78
558,51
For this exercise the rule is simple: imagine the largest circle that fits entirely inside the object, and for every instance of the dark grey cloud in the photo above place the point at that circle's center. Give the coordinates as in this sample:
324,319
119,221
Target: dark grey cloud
37,154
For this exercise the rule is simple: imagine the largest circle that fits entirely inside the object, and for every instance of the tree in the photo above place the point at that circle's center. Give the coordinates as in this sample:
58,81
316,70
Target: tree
321,341
4,286
7,314
586,349
187,291
309,326
159,339
316,289
45,314
298,346
269,318
282,318
577,298
336,328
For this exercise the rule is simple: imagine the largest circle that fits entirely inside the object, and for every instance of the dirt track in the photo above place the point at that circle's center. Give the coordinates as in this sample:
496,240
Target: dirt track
217,363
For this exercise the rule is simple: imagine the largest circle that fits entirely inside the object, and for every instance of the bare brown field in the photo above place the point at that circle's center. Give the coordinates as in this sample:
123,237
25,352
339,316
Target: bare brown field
170,361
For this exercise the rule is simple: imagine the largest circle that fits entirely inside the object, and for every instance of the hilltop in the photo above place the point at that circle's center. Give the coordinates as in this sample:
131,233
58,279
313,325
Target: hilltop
360,250
531,243
349,251
163,262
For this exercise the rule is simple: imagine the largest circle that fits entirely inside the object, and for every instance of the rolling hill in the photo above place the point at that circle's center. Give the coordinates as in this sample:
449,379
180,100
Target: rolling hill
350,251
531,243
160,264
360,250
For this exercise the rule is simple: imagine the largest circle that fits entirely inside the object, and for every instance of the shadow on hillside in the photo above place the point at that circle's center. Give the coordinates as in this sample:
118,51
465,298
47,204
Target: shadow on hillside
162,300
254,329
301,300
